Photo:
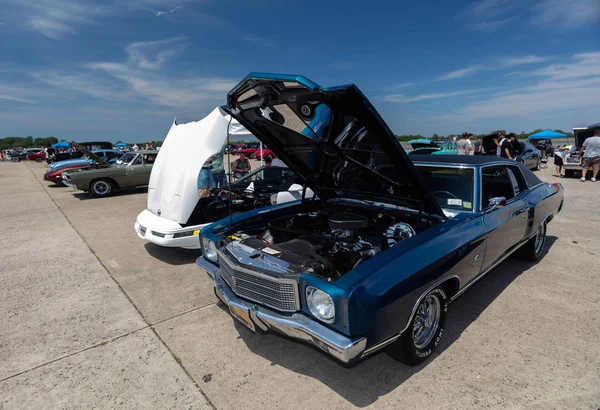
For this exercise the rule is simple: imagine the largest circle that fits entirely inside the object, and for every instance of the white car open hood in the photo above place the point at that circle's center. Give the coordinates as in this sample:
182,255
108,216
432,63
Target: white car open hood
173,190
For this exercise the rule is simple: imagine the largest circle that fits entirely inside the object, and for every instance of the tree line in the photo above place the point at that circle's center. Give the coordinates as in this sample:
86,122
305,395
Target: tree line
26,142
521,135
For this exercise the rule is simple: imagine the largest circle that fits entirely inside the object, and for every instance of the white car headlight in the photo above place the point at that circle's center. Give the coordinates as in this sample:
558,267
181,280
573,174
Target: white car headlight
320,304
210,249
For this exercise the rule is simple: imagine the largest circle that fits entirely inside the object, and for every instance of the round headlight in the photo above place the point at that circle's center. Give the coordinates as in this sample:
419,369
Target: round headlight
320,304
210,249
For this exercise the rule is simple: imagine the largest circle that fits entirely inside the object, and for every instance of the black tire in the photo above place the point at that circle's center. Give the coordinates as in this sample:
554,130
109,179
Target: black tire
253,156
569,173
534,247
408,349
15,159
102,187
38,160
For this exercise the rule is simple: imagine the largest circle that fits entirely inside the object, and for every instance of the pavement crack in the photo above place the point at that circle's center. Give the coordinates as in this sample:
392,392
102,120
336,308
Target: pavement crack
184,313
148,325
101,344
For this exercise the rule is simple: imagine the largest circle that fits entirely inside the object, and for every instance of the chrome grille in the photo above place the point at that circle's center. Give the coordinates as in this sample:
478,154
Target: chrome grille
280,294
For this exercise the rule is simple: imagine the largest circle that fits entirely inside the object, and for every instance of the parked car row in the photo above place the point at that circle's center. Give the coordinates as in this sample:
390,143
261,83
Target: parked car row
355,247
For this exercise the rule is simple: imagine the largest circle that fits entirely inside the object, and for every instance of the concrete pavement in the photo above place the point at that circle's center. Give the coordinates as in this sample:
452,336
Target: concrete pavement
522,337
69,337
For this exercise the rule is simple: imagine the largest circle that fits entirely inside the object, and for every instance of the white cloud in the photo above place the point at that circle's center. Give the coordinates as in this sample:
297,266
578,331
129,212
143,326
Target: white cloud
58,18
463,72
401,98
574,84
491,15
523,60
401,85
559,13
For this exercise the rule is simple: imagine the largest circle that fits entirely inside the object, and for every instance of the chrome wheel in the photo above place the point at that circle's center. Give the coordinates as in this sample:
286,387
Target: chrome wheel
101,187
427,321
540,239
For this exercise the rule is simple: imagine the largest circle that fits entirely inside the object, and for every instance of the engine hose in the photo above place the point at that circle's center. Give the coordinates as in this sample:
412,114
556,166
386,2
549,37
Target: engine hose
314,235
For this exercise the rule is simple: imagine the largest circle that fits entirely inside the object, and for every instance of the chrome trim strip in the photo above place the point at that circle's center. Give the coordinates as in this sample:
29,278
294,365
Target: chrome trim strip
414,310
210,268
297,326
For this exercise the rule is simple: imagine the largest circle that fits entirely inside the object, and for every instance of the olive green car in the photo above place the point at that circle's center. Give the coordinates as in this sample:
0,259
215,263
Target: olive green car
131,170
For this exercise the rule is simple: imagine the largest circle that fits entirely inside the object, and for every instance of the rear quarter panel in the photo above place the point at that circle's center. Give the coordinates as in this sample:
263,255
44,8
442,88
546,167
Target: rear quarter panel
544,201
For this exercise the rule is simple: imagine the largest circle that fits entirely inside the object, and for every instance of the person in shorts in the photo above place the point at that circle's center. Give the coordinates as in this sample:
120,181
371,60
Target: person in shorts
205,179
590,151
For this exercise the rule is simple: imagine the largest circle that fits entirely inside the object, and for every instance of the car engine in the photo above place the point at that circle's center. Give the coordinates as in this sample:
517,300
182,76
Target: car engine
327,243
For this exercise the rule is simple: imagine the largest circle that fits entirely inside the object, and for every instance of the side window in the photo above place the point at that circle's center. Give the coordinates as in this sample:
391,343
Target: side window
517,179
496,182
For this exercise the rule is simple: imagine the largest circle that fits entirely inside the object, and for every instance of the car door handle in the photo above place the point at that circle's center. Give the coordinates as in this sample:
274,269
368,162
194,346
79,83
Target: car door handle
520,211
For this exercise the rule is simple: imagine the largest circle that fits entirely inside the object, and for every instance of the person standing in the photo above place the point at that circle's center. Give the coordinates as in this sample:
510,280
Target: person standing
590,151
478,146
218,170
205,179
152,145
241,166
136,148
463,147
559,157
506,147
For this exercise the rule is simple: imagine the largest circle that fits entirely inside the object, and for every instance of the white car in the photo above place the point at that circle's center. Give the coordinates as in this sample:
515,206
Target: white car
175,213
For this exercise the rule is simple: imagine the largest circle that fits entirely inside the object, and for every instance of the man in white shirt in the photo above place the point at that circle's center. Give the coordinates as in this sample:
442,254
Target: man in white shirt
590,150
499,145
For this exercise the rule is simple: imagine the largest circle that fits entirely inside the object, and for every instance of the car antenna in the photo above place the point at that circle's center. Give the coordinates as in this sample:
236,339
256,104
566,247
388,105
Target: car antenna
229,174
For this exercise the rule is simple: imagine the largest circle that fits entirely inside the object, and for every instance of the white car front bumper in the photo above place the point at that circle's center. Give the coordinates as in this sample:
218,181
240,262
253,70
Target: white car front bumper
163,232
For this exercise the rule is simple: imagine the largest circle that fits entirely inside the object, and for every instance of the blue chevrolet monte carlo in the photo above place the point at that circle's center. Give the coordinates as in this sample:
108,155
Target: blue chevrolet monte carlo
373,260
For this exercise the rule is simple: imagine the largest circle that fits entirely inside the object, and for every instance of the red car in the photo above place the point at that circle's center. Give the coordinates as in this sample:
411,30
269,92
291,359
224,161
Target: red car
37,156
265,153
56,175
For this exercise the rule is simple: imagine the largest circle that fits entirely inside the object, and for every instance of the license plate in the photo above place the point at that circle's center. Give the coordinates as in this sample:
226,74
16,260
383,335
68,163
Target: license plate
243,316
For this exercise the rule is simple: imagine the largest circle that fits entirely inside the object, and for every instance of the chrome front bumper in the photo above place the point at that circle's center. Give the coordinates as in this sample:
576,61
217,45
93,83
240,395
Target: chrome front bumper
296,325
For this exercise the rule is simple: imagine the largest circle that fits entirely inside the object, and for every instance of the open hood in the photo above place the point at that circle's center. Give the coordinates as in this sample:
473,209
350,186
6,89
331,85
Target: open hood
90,154
331,137
173,188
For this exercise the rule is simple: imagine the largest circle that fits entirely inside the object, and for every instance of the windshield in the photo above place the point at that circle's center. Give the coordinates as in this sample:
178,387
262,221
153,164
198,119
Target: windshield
266,179
126,158
452,187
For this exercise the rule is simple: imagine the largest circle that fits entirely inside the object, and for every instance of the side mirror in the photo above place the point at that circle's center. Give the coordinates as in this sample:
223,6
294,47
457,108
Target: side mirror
497,202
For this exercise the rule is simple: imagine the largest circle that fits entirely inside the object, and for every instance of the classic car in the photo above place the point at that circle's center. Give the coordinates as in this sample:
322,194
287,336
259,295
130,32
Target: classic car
74,154
105,179
101,157
373,260
571,162
175,213
435,147
18,156
543,144
37,156
249,149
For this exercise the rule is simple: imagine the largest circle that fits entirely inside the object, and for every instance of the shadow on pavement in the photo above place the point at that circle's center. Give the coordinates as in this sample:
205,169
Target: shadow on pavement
172,256
377,376
81,195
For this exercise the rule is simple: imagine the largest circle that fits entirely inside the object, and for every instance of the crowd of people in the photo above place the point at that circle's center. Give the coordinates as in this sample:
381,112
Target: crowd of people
504,145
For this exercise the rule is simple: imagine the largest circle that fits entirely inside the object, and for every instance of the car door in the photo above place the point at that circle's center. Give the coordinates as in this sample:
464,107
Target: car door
138,174
505,225
133,172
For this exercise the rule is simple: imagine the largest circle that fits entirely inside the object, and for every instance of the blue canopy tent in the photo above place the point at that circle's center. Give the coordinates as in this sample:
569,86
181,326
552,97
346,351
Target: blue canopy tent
121,144
542,135
62,144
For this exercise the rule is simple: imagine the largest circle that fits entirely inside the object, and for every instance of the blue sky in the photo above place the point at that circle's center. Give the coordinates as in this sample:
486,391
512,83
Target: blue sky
83,69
